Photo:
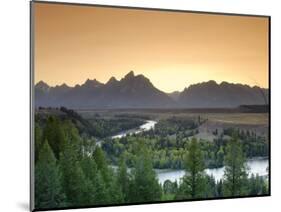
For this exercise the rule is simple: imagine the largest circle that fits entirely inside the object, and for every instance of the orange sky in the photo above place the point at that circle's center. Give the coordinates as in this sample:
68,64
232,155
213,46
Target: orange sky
174,50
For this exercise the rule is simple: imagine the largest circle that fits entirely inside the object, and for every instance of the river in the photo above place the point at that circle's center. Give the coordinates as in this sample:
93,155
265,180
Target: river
255,165
149,124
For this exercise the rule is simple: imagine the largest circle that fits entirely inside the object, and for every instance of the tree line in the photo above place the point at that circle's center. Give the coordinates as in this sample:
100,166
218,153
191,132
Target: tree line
95,125
168,152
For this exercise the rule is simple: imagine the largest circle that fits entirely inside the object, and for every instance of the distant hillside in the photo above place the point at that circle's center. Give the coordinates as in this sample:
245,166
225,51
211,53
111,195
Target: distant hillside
95,126
136,91
224,95
83,125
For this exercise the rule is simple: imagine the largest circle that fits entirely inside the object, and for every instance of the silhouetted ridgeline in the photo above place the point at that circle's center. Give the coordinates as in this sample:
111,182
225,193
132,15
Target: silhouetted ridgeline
136,91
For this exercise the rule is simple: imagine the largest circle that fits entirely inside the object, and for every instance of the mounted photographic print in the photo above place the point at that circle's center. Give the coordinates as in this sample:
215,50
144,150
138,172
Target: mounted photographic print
139,106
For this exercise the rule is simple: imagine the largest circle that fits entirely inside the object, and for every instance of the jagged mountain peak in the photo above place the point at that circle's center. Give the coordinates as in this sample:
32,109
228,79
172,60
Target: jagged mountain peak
130,75
42,86
92,83
112,80
41,83
63,85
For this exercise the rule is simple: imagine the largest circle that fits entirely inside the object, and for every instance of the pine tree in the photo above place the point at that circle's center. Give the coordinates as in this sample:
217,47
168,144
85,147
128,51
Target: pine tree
38,141
78,188
170,187
107,188
89,167
102,164
53,132
123,178
115,191
73,138
235,174
219,188
257,185
144,186
220,157
100,191
102,196
211,189
48,188
193,183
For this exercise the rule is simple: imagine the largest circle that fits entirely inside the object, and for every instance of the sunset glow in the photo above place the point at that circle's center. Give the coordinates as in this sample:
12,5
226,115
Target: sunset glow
173,50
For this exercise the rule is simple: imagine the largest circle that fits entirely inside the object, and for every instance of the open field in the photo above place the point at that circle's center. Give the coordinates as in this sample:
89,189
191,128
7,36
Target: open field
218,115
216,119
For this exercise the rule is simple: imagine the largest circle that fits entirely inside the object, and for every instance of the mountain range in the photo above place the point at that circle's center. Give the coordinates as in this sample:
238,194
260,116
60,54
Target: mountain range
136,91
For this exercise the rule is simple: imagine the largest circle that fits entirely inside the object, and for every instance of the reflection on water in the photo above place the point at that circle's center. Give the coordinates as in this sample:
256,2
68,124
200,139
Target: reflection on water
255,166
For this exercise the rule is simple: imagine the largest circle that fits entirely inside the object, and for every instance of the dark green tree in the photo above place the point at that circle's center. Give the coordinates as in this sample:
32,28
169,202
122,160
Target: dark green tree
73,138
219,188
144,186
53,132
102,165
193,183
115,190
235,174
78,188
123,178
220,157
38,140
170,187
102,195
211,187
257,185
48,188
108,178
100,191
